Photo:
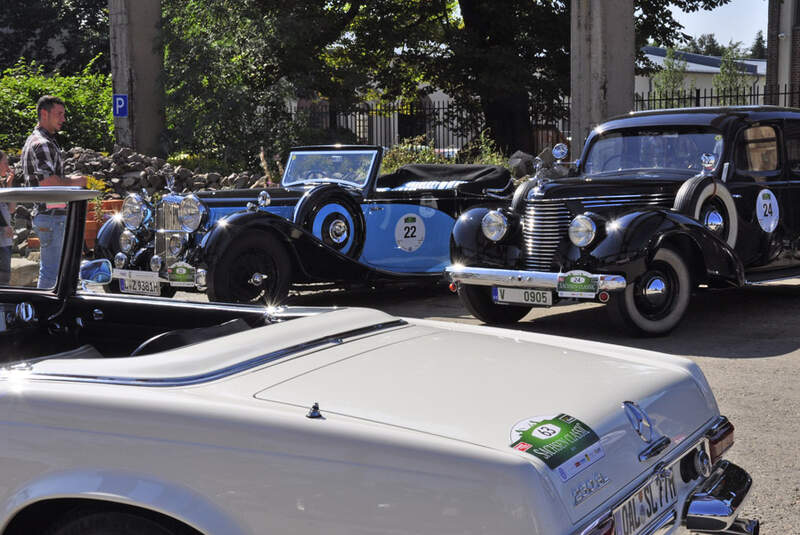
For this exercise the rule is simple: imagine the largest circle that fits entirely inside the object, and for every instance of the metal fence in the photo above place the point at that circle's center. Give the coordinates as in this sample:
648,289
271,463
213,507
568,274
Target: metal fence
450,128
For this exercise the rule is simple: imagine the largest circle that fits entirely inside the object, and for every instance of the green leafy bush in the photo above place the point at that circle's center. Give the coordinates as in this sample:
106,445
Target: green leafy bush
482,150
89,124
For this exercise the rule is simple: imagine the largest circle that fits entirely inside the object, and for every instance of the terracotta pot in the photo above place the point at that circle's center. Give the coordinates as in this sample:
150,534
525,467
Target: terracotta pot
33,243
90,233
112,205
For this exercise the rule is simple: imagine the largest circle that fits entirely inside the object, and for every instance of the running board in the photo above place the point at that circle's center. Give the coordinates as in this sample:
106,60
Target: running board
756,278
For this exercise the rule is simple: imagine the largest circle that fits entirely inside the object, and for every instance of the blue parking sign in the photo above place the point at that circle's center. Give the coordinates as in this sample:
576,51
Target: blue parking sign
120,105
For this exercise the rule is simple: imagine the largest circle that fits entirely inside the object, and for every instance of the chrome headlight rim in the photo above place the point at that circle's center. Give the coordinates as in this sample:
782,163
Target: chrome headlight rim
191,213
176,244
134,211
494,225
582,230
127,241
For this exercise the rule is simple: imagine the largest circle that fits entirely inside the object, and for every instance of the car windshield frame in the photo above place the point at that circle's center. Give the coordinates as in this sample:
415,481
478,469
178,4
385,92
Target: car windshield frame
662,139
315,175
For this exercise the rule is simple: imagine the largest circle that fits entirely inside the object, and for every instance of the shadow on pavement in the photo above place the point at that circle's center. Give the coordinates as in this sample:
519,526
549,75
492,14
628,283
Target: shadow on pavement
752,322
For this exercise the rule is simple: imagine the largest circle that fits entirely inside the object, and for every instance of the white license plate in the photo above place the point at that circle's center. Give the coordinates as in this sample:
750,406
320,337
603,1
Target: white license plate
650,501
142,287
522,295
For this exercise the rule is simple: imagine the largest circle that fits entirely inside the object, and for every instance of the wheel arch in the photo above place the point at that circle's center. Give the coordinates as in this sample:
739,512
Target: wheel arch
32,508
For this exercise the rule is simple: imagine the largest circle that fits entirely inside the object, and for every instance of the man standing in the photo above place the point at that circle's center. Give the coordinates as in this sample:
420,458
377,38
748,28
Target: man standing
42,166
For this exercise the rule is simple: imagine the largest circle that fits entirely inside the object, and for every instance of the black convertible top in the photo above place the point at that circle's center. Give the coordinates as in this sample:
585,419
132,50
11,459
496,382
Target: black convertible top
472,178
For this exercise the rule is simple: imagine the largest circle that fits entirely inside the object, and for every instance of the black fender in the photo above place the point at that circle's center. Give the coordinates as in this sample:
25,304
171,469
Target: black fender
469,246
627,243
312,260
107,244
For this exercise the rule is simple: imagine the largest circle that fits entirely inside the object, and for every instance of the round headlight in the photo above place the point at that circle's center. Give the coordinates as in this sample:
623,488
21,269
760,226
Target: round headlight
155,263
176,244
120,260
127,241
133,211
190,213
582,231
494,225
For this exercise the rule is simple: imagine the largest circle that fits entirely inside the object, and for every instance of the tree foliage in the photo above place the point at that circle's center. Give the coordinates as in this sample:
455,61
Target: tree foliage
668,83
706,45
759,48
59,35
732,81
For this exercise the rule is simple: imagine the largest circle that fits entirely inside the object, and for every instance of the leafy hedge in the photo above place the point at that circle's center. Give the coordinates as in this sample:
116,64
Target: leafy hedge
90,123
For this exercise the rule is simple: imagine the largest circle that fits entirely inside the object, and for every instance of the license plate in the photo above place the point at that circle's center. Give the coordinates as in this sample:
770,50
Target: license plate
142,287
650,501
522,295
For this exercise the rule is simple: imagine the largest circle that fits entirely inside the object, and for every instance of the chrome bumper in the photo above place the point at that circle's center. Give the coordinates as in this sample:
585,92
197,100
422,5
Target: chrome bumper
542,280
713,507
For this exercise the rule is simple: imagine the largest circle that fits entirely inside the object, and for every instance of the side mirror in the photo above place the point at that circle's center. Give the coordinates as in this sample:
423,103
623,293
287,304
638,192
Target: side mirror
96,272
560,151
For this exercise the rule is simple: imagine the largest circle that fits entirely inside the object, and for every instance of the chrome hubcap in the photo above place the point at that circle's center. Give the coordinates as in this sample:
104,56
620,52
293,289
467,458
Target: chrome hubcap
338,231
655,291
714,221
257,279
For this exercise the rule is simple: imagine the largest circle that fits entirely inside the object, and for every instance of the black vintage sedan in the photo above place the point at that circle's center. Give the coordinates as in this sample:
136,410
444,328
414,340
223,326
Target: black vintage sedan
659,203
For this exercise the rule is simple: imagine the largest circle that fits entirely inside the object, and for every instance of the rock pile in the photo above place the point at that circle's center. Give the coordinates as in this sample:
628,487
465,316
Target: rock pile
126,171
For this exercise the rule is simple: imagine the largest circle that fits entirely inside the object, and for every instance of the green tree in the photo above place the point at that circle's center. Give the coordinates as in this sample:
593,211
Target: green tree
668,83
759,48
60,35
706,45
732,81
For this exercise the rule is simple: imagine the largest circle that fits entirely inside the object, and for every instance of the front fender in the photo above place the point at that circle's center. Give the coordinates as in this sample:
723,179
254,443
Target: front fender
115,486
313,260
470,247
634,237
107,244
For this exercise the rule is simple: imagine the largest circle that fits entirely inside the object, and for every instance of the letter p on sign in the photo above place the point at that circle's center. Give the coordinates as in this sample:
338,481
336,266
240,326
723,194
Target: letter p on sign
120,105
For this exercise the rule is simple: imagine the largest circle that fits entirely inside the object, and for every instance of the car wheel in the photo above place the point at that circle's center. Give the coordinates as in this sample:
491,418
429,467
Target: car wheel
335,219
655,302
255,268
709,202
478,300
109,523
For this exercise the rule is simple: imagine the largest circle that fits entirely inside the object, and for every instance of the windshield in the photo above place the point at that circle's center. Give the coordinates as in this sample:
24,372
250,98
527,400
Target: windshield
351,166
672,148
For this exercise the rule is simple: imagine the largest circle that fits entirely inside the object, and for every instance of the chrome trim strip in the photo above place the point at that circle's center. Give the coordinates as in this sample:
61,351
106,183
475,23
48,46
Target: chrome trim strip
334,339
759,283
633,196
522,279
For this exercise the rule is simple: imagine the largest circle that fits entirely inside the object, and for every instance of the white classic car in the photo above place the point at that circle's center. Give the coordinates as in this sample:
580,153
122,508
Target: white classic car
126,415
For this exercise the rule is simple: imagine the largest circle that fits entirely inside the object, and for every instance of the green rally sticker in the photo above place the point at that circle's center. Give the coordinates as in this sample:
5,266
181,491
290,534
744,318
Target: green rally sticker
562,442
577,284
181,274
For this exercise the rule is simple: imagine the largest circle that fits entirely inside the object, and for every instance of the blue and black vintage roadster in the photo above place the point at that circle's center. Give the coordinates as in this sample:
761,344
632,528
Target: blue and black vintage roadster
332,220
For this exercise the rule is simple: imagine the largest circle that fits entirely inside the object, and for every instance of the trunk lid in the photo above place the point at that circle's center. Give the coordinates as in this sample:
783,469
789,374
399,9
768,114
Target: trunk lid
478,389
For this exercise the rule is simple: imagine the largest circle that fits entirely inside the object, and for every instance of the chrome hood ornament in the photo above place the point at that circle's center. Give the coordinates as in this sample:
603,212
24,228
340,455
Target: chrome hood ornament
639,420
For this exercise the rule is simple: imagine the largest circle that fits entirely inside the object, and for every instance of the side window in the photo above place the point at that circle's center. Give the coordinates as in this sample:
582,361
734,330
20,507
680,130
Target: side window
792,136
757,149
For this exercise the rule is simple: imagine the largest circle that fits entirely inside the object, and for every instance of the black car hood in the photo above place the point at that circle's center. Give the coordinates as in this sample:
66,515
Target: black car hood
279,196
628,183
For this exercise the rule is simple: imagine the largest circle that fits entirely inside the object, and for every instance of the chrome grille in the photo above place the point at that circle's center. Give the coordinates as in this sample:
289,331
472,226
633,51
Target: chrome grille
166,220
546,222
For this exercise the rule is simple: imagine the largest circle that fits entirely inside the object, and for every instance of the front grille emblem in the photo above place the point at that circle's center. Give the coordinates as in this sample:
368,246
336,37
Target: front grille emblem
639,420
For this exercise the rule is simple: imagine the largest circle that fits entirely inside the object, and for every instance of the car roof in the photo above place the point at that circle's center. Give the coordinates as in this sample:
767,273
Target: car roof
47,194
709,116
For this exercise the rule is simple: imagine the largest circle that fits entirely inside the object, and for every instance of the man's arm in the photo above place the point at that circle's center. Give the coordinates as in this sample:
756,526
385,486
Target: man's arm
71,180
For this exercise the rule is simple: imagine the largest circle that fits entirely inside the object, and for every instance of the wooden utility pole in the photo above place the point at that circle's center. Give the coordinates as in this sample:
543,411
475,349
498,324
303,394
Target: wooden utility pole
136,66
602,59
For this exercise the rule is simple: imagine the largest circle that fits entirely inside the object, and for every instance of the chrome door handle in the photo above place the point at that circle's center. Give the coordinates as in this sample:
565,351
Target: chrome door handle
375,208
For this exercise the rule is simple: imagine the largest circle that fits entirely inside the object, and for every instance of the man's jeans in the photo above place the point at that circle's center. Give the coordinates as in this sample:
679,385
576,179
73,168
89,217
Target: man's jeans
5,264
50,229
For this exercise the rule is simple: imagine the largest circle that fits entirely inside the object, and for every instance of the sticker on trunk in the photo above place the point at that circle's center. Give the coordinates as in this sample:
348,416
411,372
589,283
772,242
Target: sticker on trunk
564,443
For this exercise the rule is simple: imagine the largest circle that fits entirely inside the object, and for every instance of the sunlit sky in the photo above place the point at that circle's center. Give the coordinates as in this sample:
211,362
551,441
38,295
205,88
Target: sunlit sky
738,20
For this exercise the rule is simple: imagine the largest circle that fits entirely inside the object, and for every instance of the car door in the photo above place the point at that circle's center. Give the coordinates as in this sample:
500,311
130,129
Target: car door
408,232
761,193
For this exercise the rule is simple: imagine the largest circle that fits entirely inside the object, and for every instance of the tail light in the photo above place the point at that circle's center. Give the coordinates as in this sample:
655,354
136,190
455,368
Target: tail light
602,526
720,439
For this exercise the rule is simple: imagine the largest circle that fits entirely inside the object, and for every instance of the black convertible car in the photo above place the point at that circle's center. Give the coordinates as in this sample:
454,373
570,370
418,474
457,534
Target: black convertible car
659,203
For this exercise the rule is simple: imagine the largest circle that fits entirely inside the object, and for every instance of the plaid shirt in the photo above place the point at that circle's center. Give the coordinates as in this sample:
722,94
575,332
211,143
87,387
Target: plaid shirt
41,157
